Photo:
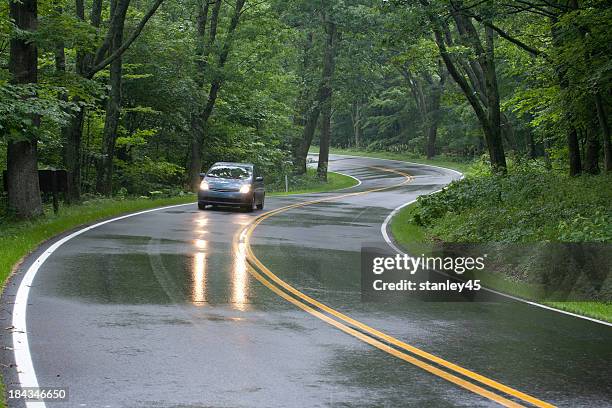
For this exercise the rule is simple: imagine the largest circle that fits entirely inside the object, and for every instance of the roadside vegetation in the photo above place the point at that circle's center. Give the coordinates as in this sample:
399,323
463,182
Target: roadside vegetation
528,205
311,183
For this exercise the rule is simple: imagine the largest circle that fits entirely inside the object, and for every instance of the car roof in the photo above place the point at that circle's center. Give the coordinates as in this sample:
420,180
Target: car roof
233,164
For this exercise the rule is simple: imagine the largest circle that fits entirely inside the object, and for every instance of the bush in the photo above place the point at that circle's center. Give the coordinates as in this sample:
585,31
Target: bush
147,175
527,205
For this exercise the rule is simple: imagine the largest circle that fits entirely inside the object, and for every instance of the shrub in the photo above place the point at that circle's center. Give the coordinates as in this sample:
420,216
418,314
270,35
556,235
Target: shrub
529,204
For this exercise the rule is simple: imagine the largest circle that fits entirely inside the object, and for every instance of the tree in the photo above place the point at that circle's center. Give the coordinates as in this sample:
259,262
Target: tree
109,136
201,121
476,76
325,95
87,64
22,157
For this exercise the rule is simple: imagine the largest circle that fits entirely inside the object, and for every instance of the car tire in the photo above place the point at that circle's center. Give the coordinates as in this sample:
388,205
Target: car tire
249,208
201,206
260,206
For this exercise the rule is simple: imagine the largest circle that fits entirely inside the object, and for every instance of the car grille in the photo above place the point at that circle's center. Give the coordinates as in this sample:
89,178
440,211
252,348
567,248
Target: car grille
225,190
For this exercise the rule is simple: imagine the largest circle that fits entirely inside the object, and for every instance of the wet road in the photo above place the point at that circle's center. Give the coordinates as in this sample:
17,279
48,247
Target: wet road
163,310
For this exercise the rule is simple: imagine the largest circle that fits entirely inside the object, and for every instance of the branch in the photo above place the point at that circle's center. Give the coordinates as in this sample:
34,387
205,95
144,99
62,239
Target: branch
119,51
533,51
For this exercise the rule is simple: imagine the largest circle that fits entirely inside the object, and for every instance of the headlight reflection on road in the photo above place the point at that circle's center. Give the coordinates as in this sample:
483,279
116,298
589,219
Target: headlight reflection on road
201,243
240,278
198,292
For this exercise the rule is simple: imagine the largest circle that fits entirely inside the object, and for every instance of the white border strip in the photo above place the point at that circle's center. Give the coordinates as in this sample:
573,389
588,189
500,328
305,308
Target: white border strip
385,226
347,175
23,358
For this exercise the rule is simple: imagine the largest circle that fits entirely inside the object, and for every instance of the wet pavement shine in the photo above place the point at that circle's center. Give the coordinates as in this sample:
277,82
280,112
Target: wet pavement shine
161,310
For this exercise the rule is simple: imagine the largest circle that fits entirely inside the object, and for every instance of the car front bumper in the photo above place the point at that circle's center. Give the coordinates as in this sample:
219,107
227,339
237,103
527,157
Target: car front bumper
224,197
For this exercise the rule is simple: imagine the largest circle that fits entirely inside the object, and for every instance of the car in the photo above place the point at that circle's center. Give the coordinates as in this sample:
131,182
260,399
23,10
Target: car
232,184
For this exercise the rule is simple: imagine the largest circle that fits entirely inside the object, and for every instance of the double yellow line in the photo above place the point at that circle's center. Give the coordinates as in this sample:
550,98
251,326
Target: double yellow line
366,333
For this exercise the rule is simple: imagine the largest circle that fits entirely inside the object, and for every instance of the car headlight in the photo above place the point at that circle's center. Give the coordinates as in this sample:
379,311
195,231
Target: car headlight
203,185
245,188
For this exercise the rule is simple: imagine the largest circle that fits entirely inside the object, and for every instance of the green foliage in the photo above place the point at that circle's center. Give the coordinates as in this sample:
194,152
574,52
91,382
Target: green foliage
147,175
22,105
527,205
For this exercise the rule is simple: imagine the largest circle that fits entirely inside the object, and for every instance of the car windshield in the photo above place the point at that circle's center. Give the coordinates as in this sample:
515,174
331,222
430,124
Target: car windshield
229,172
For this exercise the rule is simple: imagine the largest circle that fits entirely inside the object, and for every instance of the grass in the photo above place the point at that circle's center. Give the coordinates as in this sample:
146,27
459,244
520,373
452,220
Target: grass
309,183
20,238
443,161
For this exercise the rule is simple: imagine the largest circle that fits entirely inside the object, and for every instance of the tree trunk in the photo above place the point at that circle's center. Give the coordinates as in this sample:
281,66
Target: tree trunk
325,100
308,112
434,115
307,135
87,65
72,153
591,148
104,176
496,146
22,159
356,119
605,127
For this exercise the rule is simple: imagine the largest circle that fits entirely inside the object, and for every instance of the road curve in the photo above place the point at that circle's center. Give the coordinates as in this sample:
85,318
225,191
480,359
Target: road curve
162,310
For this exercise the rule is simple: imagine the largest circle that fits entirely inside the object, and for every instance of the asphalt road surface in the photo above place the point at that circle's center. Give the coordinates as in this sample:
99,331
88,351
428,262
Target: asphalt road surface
181,308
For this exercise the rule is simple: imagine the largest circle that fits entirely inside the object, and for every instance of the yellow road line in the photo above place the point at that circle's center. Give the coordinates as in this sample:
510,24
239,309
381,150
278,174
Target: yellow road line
434,370
245,236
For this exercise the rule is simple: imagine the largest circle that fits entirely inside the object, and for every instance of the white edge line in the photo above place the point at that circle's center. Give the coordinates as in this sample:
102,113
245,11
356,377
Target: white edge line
23,358
348,175
384,227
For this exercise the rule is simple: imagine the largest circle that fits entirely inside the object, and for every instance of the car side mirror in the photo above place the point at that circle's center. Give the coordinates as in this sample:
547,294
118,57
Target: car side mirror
202,175
259,178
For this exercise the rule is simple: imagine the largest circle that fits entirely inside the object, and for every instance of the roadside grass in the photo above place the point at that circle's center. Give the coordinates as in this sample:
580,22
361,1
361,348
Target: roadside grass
18,239
443,161
310,183
410,236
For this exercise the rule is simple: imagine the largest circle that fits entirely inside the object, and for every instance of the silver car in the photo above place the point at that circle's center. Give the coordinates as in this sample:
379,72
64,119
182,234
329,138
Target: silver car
232,184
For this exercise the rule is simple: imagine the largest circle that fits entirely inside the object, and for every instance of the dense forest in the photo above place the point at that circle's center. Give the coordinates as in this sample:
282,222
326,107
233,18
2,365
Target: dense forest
134,96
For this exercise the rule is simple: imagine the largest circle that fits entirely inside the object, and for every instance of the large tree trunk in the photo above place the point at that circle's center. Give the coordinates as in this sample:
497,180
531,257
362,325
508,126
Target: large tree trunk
325,100
104,177
22,160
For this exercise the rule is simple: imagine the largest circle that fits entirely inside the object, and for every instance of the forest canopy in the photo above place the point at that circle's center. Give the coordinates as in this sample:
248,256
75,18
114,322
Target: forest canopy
134,96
